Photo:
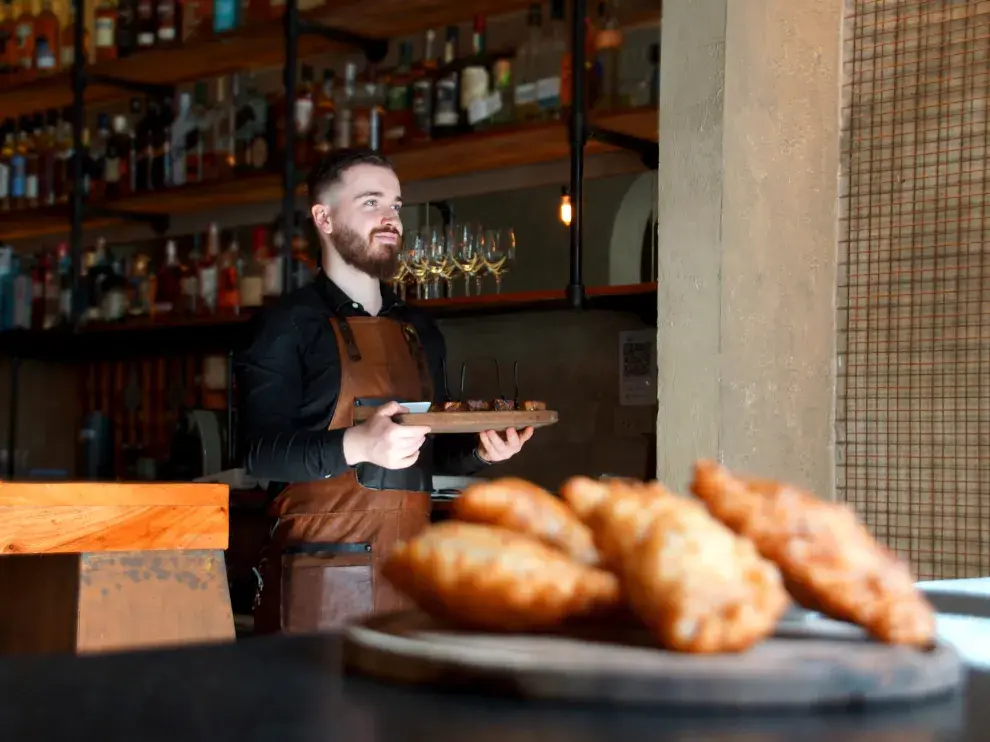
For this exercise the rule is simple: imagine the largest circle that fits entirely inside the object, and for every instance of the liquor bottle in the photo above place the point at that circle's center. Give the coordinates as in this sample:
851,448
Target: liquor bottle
608,49
324,121
18,168
223,121
304,106
98,159
367,110
106,30
127,27
226,15
229,282
147,22
252,281
47,39
32,165
199,147
168,288
118,160
422,91
345,108
160,123
144,148
527,104
169,18
62,177
135,145
446,111
47,147
398,120
184,136
24,35
6,153
254,127
207,270
553,52
8,44
476,106
275,266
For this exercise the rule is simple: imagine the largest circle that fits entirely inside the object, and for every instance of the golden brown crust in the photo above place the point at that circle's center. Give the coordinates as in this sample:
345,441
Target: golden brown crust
829,560
700,587
532,405
452,407
478,405
489,578
524,507
694,583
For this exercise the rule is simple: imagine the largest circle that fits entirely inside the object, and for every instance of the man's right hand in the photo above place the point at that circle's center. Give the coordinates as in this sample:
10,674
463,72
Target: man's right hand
380,441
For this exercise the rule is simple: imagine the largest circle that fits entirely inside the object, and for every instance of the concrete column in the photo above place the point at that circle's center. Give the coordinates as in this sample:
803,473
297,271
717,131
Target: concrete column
749,160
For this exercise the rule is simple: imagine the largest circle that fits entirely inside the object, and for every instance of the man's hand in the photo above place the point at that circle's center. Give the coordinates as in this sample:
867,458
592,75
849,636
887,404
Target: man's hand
492,447
382,442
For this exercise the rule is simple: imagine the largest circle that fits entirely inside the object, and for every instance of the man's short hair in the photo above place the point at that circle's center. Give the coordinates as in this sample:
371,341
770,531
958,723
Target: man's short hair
329,170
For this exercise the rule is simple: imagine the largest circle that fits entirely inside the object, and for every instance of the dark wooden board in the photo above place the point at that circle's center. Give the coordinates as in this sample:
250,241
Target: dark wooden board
799,667
470,422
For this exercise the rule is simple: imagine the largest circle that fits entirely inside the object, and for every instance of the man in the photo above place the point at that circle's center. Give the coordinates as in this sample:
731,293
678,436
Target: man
346,492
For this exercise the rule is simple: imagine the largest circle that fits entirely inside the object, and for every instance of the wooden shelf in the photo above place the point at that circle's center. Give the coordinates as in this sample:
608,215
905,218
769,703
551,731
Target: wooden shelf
219,333
506,147
256,46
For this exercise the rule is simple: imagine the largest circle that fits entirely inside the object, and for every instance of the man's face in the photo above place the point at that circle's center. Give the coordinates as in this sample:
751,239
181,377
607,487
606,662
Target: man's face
363,220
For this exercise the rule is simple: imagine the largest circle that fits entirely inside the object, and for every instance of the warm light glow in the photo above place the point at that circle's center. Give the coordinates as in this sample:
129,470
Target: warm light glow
565,210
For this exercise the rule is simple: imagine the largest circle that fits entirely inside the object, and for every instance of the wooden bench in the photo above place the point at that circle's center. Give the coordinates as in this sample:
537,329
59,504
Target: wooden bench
93,566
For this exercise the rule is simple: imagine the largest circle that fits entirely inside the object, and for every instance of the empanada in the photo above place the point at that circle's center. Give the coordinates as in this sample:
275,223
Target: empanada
490,578
829,560
522,506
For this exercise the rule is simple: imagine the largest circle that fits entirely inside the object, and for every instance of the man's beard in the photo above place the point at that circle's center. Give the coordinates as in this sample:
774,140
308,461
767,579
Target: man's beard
379,261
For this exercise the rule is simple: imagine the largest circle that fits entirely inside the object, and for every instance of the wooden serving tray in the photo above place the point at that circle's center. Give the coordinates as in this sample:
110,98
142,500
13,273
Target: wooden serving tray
800,666
468,422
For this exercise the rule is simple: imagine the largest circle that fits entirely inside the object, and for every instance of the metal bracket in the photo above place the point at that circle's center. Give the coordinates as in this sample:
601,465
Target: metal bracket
648,151
159,223
150,89
375,50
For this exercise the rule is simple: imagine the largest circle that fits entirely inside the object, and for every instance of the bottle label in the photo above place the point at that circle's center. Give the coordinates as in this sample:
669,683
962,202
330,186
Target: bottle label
106,32
4,180
526,94
18,176
273,276
548,92
224,15
304,115
31,187
446,111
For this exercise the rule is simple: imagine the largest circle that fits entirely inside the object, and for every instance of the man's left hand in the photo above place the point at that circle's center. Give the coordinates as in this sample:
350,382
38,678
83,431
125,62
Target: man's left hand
492,447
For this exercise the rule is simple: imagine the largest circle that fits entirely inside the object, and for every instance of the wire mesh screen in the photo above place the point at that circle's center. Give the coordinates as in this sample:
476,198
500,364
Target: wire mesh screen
913,406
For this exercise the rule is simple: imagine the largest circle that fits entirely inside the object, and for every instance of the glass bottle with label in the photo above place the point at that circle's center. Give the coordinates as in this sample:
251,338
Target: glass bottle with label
325,118
345,107
105,23
422,91
398,119
24,35
527,105
6,153
18,168
127,28
608,48
303,108
446,93
168,286
252,279
47,39
208,269
476,104
552,62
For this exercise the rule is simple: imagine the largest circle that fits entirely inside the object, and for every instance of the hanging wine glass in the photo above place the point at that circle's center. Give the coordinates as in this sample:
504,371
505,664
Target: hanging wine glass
498,245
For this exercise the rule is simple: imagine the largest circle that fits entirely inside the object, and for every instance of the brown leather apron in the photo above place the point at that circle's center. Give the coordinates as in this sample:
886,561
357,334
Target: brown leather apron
321,568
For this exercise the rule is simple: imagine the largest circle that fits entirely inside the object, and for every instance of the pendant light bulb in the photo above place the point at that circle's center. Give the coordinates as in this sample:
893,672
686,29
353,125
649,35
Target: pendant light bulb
565,208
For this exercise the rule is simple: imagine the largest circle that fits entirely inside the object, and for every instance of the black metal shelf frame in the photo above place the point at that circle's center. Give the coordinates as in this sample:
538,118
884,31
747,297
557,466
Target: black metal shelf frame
580,131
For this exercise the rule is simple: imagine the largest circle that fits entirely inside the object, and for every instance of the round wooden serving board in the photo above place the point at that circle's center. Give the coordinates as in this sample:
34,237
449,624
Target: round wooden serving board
799,667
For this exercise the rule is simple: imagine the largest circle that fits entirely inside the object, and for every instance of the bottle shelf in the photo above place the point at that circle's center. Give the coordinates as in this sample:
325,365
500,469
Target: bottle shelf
257,45
221,332
480,152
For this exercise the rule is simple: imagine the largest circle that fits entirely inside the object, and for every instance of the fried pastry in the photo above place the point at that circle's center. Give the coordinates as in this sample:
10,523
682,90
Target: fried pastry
618,512
490,578
698,586
829,560
503,405
522,506
532,405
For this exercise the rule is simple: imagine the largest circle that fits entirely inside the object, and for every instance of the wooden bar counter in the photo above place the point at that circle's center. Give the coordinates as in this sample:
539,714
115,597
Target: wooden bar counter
92,566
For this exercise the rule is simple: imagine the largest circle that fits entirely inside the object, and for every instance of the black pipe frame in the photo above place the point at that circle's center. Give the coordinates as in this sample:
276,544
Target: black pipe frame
579,132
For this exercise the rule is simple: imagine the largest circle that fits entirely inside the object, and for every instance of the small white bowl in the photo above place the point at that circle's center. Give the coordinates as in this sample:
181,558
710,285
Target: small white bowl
417,407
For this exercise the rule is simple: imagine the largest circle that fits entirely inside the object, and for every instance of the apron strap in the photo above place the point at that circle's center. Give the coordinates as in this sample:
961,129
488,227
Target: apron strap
416,351
348,336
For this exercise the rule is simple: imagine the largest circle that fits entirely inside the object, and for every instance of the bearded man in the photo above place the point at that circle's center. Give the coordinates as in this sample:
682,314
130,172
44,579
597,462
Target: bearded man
345,492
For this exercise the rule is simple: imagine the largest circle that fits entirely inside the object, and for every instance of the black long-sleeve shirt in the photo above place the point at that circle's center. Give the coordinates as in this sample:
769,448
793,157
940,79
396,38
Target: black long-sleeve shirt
289,380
